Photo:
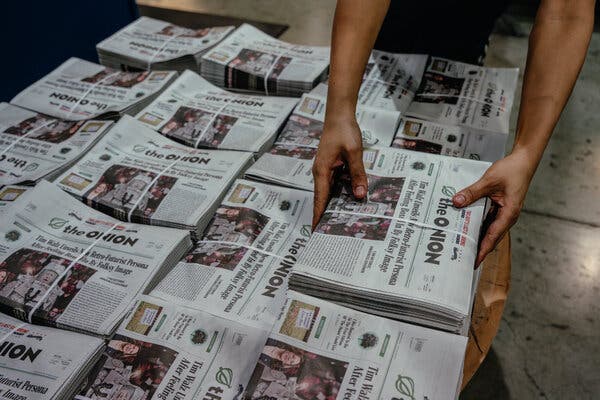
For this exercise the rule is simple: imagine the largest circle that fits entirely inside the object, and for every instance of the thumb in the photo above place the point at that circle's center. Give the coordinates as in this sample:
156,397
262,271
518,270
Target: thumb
357,173
471,194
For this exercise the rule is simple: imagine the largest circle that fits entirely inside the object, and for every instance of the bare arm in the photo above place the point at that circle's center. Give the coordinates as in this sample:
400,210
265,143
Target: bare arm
557,48
355,28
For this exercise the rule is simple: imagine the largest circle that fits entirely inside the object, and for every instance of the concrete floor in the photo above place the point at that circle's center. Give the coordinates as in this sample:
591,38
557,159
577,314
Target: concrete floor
548,346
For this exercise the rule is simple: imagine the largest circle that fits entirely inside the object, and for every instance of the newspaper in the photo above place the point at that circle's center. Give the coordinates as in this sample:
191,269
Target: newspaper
137,175
166,351
251,60
41,363
10,195
454,141
318,350
239,269
405,252
34,146
195,112
79,90
289,162
63,264
149,43
456,93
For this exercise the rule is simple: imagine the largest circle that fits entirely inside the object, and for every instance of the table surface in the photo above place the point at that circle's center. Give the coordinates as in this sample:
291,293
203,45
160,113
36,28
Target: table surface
491,296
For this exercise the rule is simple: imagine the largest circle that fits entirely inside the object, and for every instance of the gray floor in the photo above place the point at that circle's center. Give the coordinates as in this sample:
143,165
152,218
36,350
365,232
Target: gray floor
548,346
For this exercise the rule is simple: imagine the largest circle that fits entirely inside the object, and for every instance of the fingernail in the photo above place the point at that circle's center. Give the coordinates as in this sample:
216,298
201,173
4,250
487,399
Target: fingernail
459,199
360,191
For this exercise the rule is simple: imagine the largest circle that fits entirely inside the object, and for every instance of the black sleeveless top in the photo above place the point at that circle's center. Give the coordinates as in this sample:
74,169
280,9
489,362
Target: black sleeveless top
455,29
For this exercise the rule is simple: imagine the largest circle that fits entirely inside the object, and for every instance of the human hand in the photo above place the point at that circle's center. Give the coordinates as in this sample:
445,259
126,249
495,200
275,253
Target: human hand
505,183
341,143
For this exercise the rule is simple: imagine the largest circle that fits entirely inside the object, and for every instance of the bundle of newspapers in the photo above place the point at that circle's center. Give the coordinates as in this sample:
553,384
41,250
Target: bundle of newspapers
137,175
195,112
251,60
34,146
405,252
42,363
149,43
449,140
289,162
79,89
319,350
167,351
66,265
239,269
456,93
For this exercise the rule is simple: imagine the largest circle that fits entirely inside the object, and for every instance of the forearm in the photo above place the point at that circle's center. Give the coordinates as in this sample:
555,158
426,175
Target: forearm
355,28
557,48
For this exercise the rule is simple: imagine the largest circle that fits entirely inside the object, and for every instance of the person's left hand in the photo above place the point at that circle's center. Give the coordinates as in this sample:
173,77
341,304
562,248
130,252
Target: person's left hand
505,183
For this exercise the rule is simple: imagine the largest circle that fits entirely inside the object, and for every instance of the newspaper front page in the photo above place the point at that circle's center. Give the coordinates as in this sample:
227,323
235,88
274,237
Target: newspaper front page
41,363
240,267
454,141
137,175
318,350
66,265
149,43
456,93
249,59
289,162
405,243
195,112
79,90
34,146
166,351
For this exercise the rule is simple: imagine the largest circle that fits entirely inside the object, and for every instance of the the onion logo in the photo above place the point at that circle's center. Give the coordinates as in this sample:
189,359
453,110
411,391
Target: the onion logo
305,231
57,223
224,376
406,386
448,191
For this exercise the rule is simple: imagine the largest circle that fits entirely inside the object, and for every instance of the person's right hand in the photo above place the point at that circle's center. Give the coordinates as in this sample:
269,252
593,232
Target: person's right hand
341,143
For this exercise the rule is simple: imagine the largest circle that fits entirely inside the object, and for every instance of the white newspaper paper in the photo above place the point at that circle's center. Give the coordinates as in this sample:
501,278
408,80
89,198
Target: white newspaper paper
79,89
454,141
67,265
240,267
456,93
34,146
166,351
195,112
318,350
137,175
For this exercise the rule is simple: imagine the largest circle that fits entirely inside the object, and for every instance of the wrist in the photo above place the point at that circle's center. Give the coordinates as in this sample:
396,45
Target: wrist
526,158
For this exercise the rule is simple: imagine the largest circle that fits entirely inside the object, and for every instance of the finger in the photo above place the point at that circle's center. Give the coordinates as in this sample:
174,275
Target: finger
322,178
505,219
358,176
471,194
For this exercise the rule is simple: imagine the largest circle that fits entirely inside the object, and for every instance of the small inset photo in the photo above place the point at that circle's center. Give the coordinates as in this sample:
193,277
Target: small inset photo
11,193
144,318
412,128
309,105
241,193
92,126
158,76
150,119
75,181
299,320
439,65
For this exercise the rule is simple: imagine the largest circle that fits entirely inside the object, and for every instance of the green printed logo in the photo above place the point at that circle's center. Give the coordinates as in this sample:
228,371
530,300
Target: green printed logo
224,376
57,223
448,191
305,231
406,386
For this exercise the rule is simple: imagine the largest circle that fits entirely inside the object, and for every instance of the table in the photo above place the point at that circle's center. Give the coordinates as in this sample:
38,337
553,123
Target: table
488,307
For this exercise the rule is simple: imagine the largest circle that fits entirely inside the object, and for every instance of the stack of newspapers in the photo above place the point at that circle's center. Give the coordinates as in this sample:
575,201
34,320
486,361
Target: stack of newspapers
456,93
67,265
251,60
319,350
239,269
405,252
137,175
35,146
194,112
39,362
149,43
79,90
449,140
